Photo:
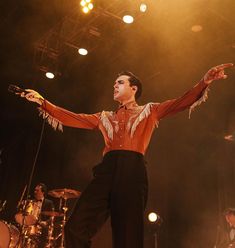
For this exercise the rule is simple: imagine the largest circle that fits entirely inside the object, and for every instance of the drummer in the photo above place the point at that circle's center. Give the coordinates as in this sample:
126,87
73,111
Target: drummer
43,203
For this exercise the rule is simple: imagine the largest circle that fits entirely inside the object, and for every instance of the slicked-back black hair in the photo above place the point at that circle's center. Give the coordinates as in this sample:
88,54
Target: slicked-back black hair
134,80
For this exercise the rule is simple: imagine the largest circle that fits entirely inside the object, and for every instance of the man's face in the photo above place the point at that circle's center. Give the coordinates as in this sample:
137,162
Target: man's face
122,89
230,218
38,194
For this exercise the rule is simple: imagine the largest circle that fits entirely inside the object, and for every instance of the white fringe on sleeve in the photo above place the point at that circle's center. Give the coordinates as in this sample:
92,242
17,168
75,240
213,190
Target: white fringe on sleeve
56,124
202,99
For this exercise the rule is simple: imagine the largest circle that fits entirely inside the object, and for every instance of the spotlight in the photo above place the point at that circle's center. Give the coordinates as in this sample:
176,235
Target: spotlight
82,51
86,5
153,217
128,19
85,9
143,7
50,75
82,3
90,6
155,223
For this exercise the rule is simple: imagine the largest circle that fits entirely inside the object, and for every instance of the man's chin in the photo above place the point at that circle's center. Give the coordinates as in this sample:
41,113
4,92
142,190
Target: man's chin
116,99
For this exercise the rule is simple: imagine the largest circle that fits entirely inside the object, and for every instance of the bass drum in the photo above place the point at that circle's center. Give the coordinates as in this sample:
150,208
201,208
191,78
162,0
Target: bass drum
9,235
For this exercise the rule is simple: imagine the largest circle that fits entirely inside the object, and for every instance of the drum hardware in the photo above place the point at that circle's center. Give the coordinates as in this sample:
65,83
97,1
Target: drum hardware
21,197
52,213
2,205
10,235
28,213
50,236
29,231
27,217
64,193
65,209
33,230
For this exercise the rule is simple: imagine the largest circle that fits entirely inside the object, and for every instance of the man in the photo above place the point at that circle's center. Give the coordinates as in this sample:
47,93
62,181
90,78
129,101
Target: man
226,235
119,187
44,204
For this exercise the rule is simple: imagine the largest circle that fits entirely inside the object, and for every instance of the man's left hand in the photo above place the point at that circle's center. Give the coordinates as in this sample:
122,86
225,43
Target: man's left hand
216,73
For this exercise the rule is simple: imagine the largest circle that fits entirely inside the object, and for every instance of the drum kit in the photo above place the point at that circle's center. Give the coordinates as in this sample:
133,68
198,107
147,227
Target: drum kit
29,231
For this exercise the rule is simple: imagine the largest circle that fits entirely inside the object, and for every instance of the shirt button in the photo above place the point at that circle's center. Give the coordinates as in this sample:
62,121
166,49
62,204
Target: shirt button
123,113
120,145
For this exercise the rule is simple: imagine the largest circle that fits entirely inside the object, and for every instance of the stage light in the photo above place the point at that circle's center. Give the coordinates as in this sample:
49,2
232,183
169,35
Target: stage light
143,7
87,5
50,75
152,217
90,6
82,3
128,19
85,9
82,51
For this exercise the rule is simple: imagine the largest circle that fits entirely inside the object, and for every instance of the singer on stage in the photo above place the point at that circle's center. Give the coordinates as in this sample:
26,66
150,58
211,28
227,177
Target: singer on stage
119,187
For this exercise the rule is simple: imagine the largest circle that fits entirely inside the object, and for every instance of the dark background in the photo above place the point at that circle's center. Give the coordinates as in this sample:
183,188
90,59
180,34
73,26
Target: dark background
190,164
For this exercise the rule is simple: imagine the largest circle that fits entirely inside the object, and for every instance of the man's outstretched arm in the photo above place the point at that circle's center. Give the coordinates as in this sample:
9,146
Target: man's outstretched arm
193,97
57,116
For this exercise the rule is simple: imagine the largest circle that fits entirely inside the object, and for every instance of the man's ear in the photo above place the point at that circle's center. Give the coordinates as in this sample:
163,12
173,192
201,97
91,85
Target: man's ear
134,87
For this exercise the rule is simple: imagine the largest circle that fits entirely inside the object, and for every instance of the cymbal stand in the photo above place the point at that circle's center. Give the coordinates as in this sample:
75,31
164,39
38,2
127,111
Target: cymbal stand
51,239
23,239
2,205
65,209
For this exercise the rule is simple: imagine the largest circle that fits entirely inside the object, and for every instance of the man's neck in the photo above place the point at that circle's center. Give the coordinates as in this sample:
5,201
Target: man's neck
129,103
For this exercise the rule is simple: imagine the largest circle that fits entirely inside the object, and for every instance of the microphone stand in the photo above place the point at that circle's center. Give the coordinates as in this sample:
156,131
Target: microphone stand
30,183
17,90
22,196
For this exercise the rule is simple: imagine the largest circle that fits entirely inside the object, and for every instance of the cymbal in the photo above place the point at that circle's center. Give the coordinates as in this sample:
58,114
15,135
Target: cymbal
52,213
64,193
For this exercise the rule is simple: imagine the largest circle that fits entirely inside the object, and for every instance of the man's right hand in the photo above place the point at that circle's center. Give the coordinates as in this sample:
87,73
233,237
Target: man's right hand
32,96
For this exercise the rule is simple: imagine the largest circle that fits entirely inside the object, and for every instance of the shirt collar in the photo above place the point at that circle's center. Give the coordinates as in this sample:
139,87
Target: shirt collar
129,105
41,200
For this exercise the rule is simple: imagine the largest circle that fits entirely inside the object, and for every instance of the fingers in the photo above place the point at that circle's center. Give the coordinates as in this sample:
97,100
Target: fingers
217,72
26,92
30,95
223,66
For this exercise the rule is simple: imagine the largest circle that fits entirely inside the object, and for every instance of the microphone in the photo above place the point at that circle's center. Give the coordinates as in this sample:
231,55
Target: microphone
15,89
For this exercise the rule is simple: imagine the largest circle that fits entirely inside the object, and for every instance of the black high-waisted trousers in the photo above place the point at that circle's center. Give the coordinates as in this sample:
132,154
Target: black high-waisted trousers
118,189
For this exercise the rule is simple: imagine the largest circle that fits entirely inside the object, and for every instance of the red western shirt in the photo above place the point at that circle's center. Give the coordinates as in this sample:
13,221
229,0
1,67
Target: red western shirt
131,126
